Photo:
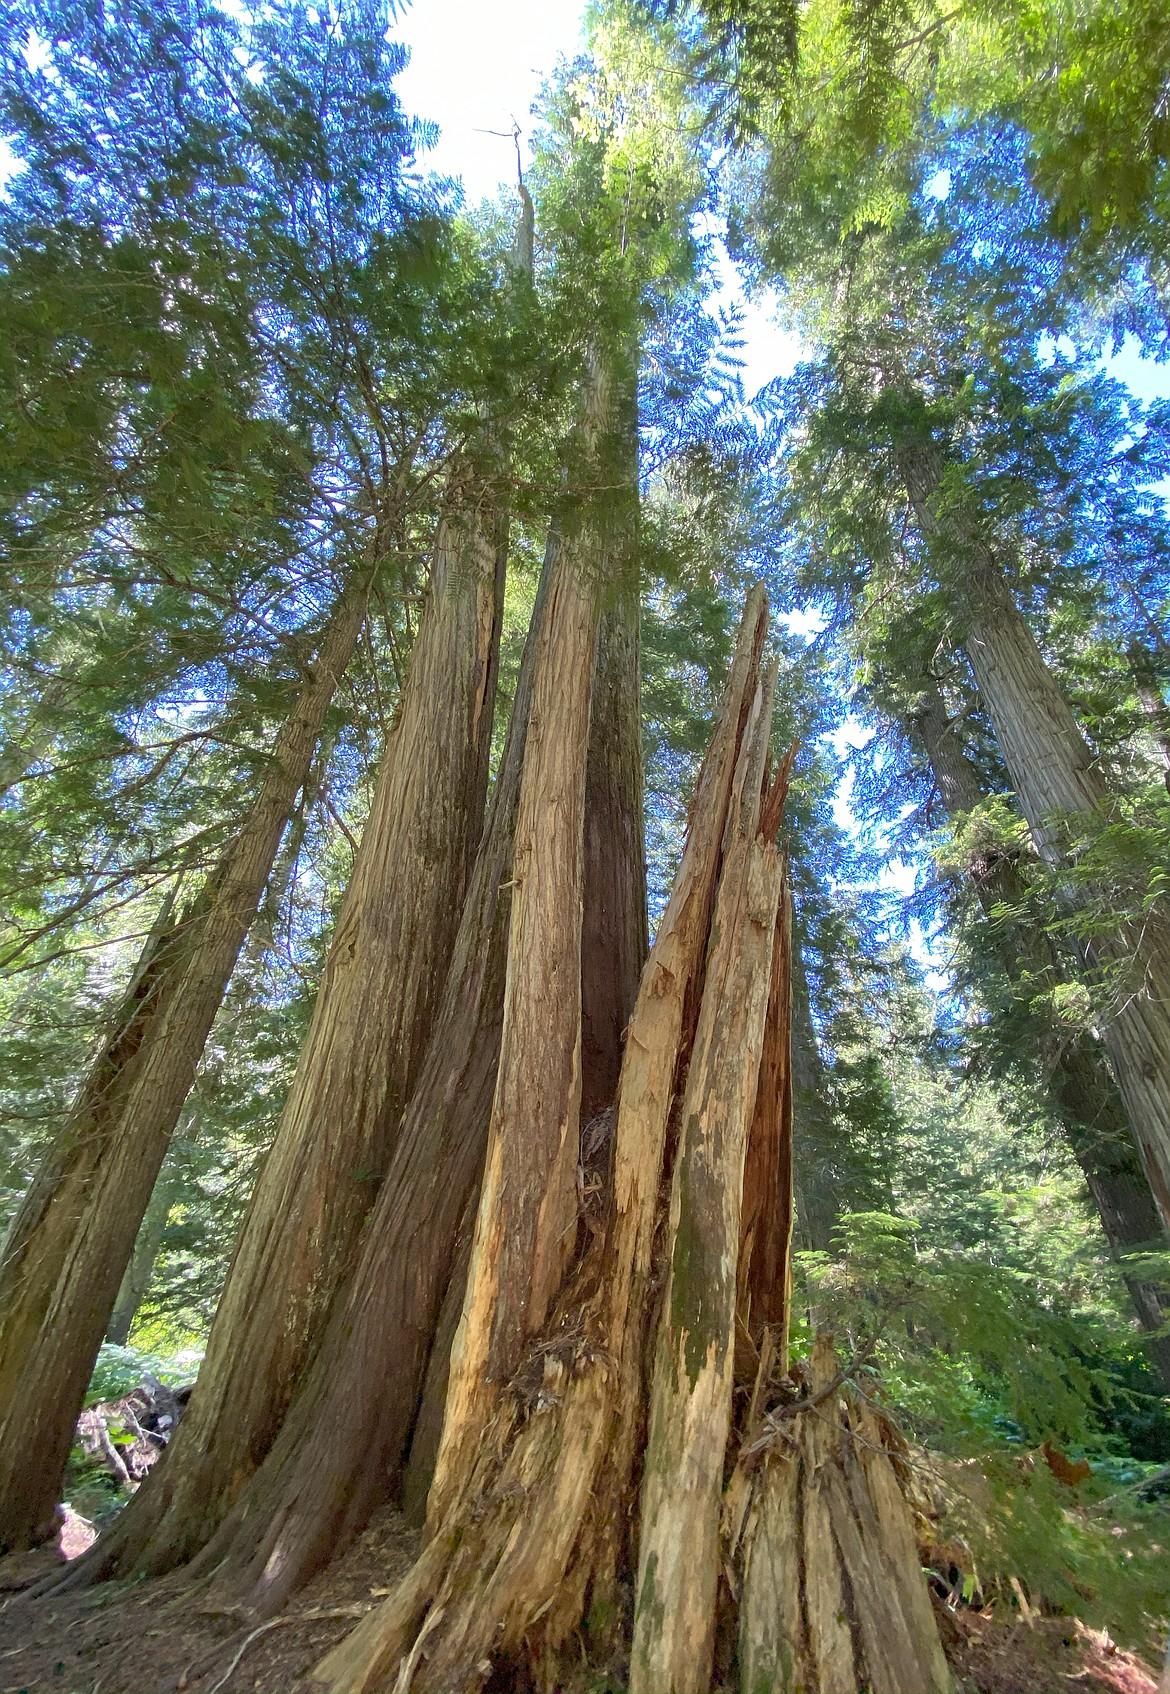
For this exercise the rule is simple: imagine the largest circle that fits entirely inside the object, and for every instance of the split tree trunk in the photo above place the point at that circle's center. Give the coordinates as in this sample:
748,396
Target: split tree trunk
1058,785
367,1038
538,1521
832,1598
690,1400
1076,1070
72,1238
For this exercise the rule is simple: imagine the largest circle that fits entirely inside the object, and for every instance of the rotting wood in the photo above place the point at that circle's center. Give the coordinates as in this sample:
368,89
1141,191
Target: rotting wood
690,1404
832,1598
536,1524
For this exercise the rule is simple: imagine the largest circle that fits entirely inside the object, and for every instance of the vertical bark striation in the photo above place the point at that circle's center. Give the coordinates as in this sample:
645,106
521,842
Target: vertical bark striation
71,1240
1059,786
613,940
365,1045
690,1399
1077,1071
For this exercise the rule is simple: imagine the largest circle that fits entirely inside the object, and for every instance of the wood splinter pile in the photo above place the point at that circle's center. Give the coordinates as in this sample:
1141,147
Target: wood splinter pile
601,1462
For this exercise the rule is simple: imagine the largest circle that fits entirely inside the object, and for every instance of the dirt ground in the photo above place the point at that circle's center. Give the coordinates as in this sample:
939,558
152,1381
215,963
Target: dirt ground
156,1639
996,1652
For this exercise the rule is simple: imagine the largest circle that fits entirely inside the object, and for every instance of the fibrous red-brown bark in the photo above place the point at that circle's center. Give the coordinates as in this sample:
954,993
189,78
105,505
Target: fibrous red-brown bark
71,1239
373,1016
535,1519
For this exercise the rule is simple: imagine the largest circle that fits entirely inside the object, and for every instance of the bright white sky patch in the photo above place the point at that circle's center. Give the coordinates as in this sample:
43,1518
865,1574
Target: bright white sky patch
476,66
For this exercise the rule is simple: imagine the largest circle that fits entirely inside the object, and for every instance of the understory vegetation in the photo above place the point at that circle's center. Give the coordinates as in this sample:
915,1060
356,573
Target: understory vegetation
379,574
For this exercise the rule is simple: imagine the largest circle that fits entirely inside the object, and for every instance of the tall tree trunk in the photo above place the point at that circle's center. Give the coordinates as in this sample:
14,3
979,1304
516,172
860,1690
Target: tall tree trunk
1076,1070
690,1398
1058,784
341,1448
613,933
539,1523
71,1239
613,939
136,1281
818,1195
363,1052
527,1222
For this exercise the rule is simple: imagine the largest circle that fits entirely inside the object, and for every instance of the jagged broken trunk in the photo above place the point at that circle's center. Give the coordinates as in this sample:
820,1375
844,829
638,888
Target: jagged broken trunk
623,1322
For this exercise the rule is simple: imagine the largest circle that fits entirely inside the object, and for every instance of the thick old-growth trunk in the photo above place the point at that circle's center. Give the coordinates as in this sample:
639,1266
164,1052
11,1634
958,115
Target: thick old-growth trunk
528,1555
1061,792
613,929
1075,1068
538,1519
363,1053
690,1400
341,1447
831,1599
73,1236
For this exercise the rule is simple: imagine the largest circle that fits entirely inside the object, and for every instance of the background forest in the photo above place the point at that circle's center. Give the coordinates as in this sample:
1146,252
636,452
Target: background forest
254,356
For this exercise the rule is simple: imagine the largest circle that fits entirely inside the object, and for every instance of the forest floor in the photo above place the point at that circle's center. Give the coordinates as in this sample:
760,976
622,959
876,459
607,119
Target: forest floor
155,1639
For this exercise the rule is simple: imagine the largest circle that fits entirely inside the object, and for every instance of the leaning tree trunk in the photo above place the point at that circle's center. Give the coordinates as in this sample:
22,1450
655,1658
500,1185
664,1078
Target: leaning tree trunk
148,1242
343,1444
1061,791
71,1239
366,1042
1075,1069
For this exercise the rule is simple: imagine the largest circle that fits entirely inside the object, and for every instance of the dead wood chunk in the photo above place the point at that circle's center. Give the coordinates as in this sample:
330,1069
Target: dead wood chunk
773,1647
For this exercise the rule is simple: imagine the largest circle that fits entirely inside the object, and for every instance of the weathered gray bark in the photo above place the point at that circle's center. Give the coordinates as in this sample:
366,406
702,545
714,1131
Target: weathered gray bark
366,1042
1074,1067
690,1398
1061,793
540,1521
832,1596
70,1241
